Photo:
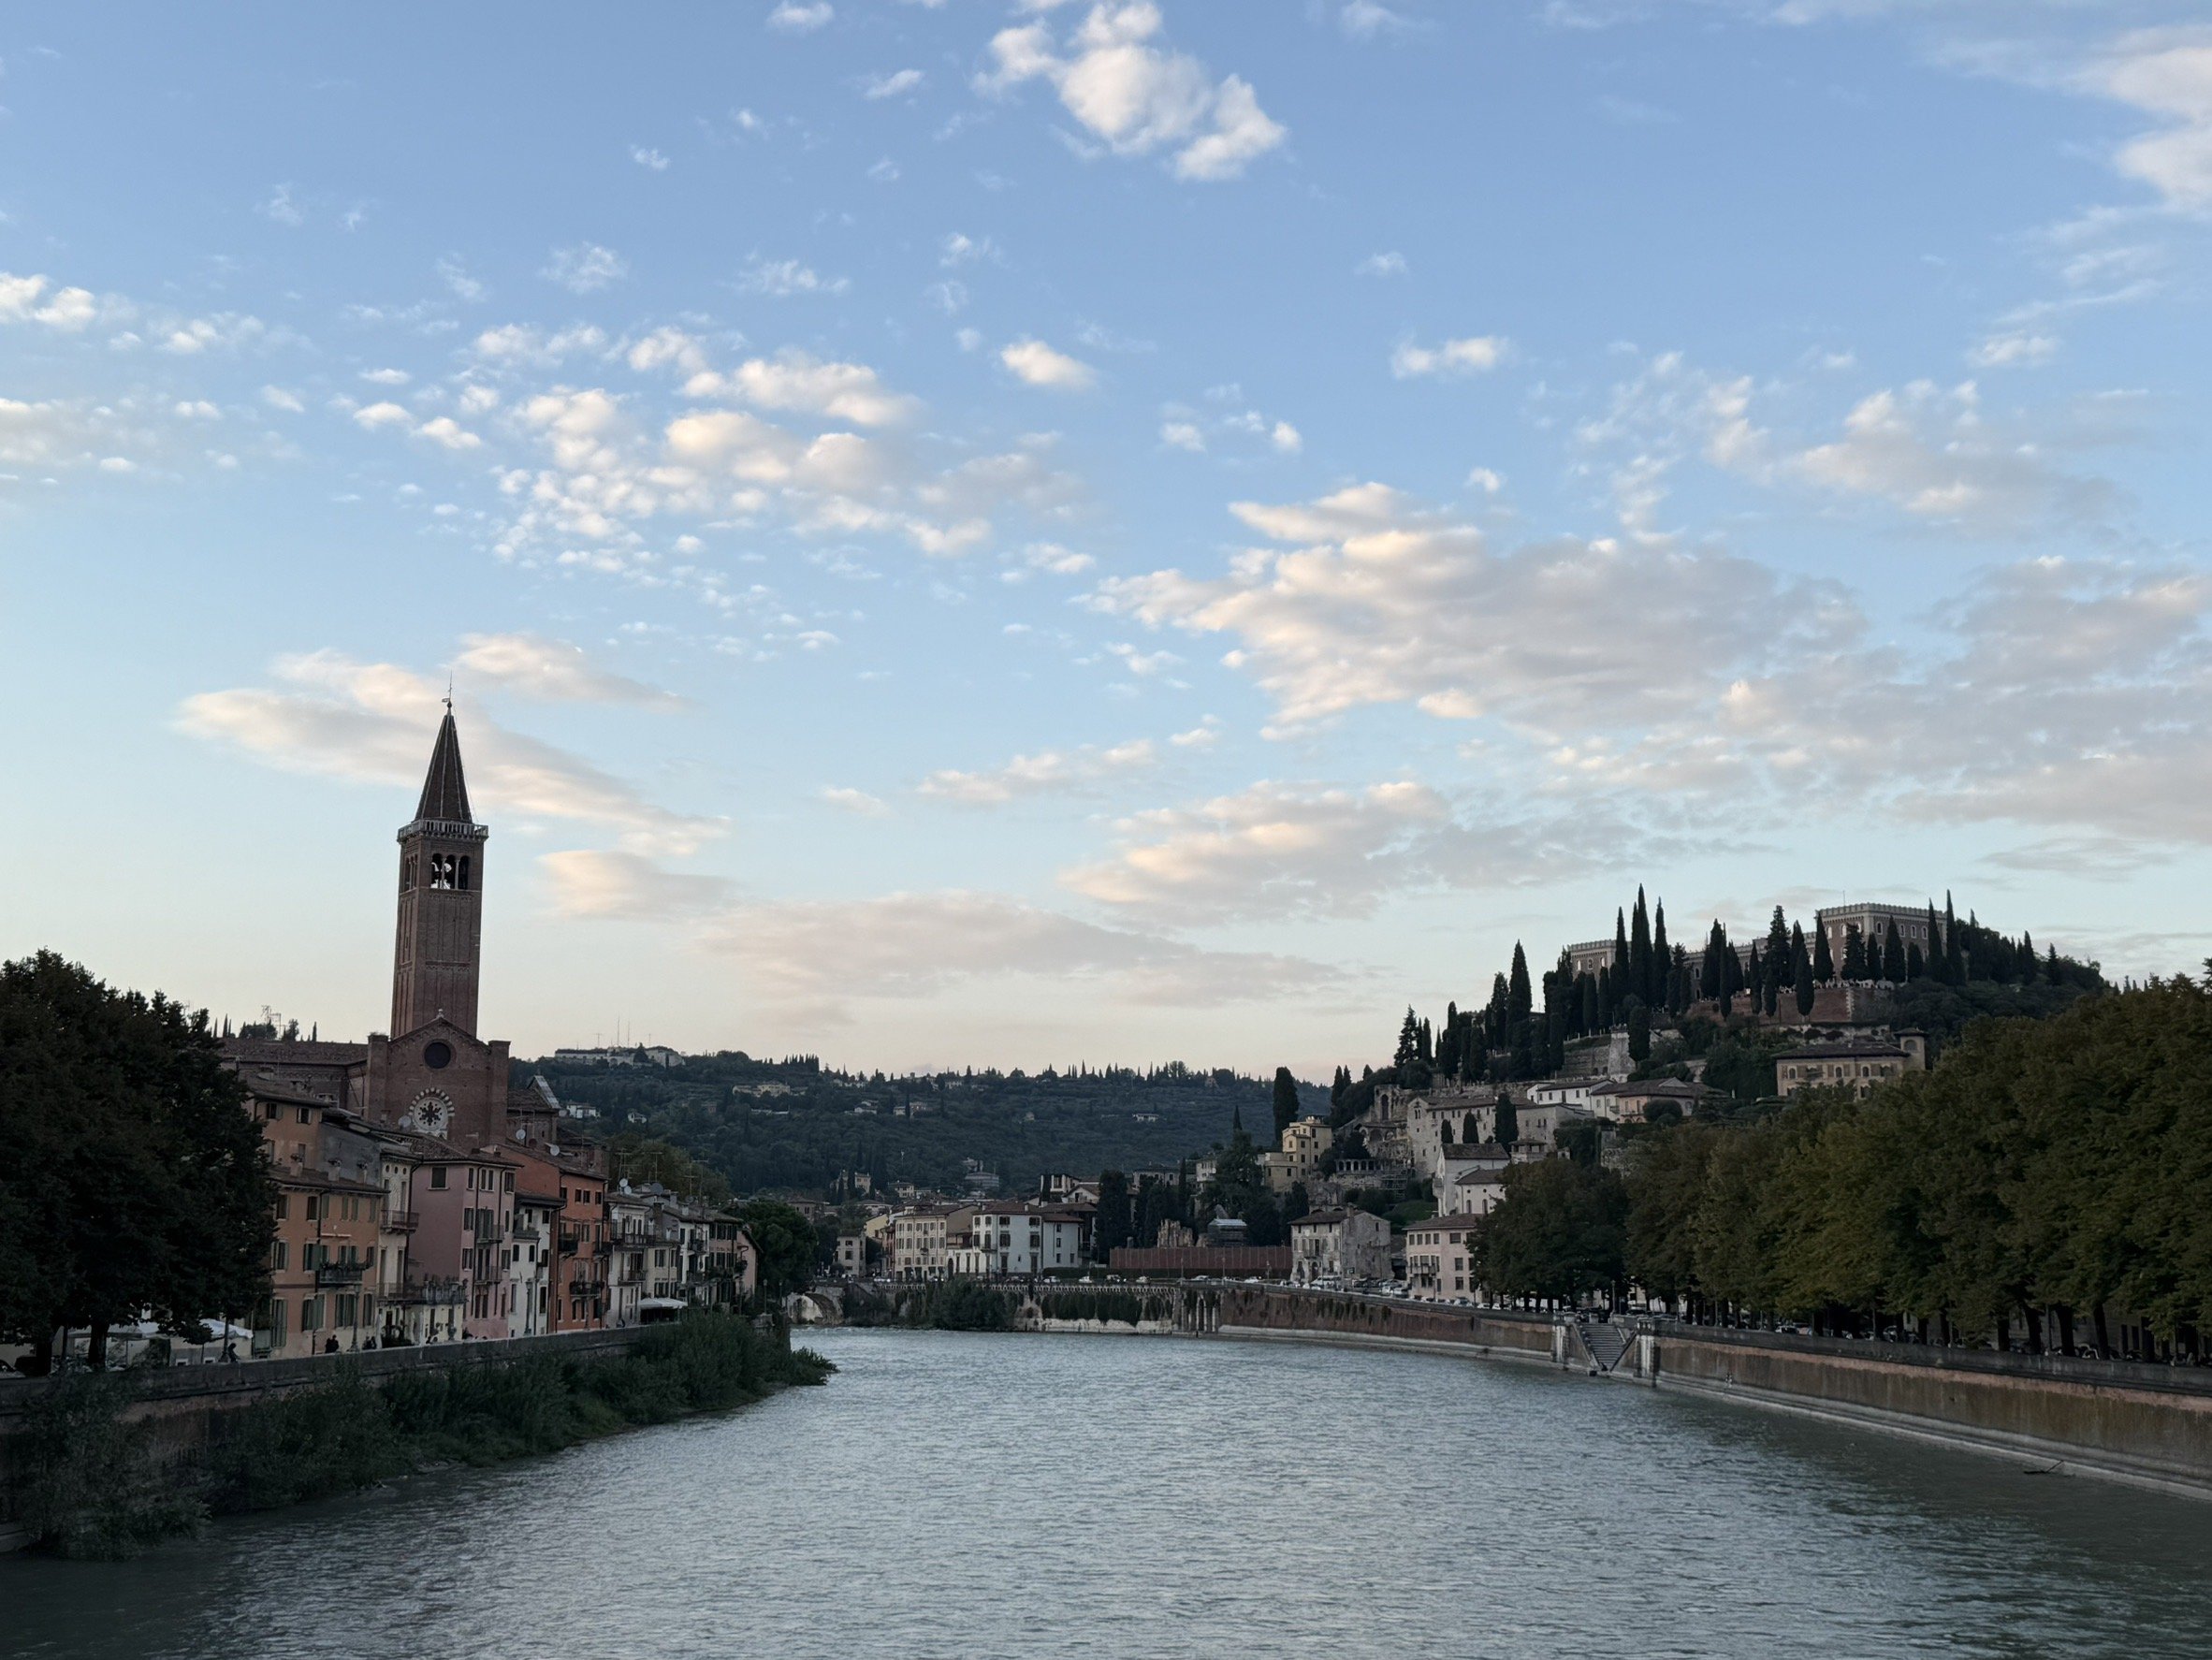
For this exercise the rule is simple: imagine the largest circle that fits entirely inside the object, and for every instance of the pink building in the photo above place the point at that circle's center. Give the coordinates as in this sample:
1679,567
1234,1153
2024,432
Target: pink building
464,1205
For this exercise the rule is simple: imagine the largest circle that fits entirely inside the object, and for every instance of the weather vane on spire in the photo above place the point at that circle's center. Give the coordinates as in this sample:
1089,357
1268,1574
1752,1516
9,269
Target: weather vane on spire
449,691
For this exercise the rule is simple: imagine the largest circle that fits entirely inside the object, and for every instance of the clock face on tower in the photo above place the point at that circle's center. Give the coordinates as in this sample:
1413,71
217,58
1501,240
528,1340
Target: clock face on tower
431,1113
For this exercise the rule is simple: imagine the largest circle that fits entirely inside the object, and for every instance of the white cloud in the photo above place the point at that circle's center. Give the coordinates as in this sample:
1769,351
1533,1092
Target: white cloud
1183,435
650,159
891,86
552,671
1136,97
800,17
1268,851
1285,437
1931,453
2014,351
383,415
387,377
1363,20
456,279
586,268
278,398
26,300
794,380
1046,772
1391,264
332,716
781,278
2166,73
591,883
1475,354
281,208
196,409
817,958
854,801
1343,612
1039,365
1058,561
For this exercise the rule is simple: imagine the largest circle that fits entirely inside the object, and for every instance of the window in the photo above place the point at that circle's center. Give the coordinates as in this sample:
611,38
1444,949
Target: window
302,1115
310,1314
314,1207
461,877
441,872
437,1175
280,1255
510,1181
437,1055
283,1205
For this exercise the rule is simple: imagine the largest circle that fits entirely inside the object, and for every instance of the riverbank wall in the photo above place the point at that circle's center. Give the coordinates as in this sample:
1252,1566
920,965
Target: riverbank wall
2148,1425
102,1464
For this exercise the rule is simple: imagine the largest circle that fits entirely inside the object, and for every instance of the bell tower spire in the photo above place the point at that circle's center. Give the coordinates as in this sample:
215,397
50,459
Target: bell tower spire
436,963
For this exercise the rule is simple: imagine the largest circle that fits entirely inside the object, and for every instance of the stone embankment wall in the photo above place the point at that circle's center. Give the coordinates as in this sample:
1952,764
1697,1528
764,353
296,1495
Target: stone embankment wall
1254,1310
180,1405
2151,1425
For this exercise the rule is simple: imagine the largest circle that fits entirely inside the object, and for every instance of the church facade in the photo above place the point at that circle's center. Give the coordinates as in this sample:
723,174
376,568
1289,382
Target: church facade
426,1193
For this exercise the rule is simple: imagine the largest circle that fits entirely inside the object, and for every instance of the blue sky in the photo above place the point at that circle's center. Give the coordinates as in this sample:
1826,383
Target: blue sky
1015,534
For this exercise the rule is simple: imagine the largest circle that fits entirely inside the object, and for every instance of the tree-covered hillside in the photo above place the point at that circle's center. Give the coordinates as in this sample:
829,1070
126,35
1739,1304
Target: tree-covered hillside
794,1127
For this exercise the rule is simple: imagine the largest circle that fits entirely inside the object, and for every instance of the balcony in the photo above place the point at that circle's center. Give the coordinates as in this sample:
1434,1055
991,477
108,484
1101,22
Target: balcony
339,1274
436,1290
402,1221
526,1234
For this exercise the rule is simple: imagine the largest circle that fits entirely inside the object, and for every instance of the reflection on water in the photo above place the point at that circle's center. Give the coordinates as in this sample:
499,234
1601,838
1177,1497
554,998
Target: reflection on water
1003,1496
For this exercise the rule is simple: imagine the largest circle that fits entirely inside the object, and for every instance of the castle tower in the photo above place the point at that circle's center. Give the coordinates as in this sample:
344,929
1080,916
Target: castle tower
440,951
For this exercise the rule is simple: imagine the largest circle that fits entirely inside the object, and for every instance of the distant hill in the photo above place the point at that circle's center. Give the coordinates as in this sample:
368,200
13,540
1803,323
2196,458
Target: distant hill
794,1127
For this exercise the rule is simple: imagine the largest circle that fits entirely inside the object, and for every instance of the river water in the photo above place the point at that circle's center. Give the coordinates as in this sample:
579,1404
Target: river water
994,1497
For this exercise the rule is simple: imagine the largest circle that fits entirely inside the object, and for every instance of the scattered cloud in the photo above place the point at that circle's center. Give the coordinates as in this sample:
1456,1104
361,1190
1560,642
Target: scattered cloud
586,268
612,886
893,85
1391,264
800,17
854,801
1136,97
551,671
332,716
781,278
1046,772
1038,365
650,159
1475,354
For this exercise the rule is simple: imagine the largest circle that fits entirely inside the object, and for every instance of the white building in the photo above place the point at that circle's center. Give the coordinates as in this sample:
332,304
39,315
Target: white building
529,1263
1340,1245
1440,1258
919,1242
1468,1177
1305,1143
1018,1240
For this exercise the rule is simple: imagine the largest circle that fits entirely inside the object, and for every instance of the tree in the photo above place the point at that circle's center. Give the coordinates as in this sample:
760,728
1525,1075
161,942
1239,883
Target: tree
1623,965
1112,1225
1285,1102
1854,954
1893,955
787,1244
1824,961
1520,1006
1505,1127
1662,958
1639,950
1557,1233
1955,964
1409,1041
135,1183
1805,971
1639,1030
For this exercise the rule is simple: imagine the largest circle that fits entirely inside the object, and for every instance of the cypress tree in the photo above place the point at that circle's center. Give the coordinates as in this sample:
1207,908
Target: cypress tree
1639,1031
1409,1040
1936,962
1854,954
1640,950
1662,955
1520,1006
1285,1102
1622,983
1914,967
1893,956
1824,961
1804,975
1955,966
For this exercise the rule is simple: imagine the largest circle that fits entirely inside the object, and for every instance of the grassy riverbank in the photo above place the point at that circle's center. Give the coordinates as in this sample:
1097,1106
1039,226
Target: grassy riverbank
97,1485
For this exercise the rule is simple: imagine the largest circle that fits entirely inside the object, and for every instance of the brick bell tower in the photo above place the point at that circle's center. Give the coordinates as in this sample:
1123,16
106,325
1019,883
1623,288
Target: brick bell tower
440,945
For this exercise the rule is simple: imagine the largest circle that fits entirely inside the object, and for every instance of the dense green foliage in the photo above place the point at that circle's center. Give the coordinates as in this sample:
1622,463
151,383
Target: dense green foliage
2056,1165
94,1492
794,1127
2050,1174
134,1182
789,1247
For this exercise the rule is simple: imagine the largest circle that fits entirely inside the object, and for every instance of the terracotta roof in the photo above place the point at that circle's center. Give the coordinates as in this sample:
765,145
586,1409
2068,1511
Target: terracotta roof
1843,1052
444,790
1459,1224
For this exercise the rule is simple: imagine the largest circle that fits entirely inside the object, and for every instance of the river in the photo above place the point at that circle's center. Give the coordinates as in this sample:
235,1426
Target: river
995,1497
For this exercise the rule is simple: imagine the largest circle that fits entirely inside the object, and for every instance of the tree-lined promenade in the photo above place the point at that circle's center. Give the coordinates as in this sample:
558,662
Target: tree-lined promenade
2048,1185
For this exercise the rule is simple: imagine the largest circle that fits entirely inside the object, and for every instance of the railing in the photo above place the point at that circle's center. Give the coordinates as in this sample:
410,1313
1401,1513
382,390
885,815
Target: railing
339,1274
436,1290
402,1221
526,1234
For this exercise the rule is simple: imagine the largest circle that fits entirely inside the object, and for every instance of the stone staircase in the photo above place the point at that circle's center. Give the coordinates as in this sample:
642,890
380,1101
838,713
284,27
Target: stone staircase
1604,1341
